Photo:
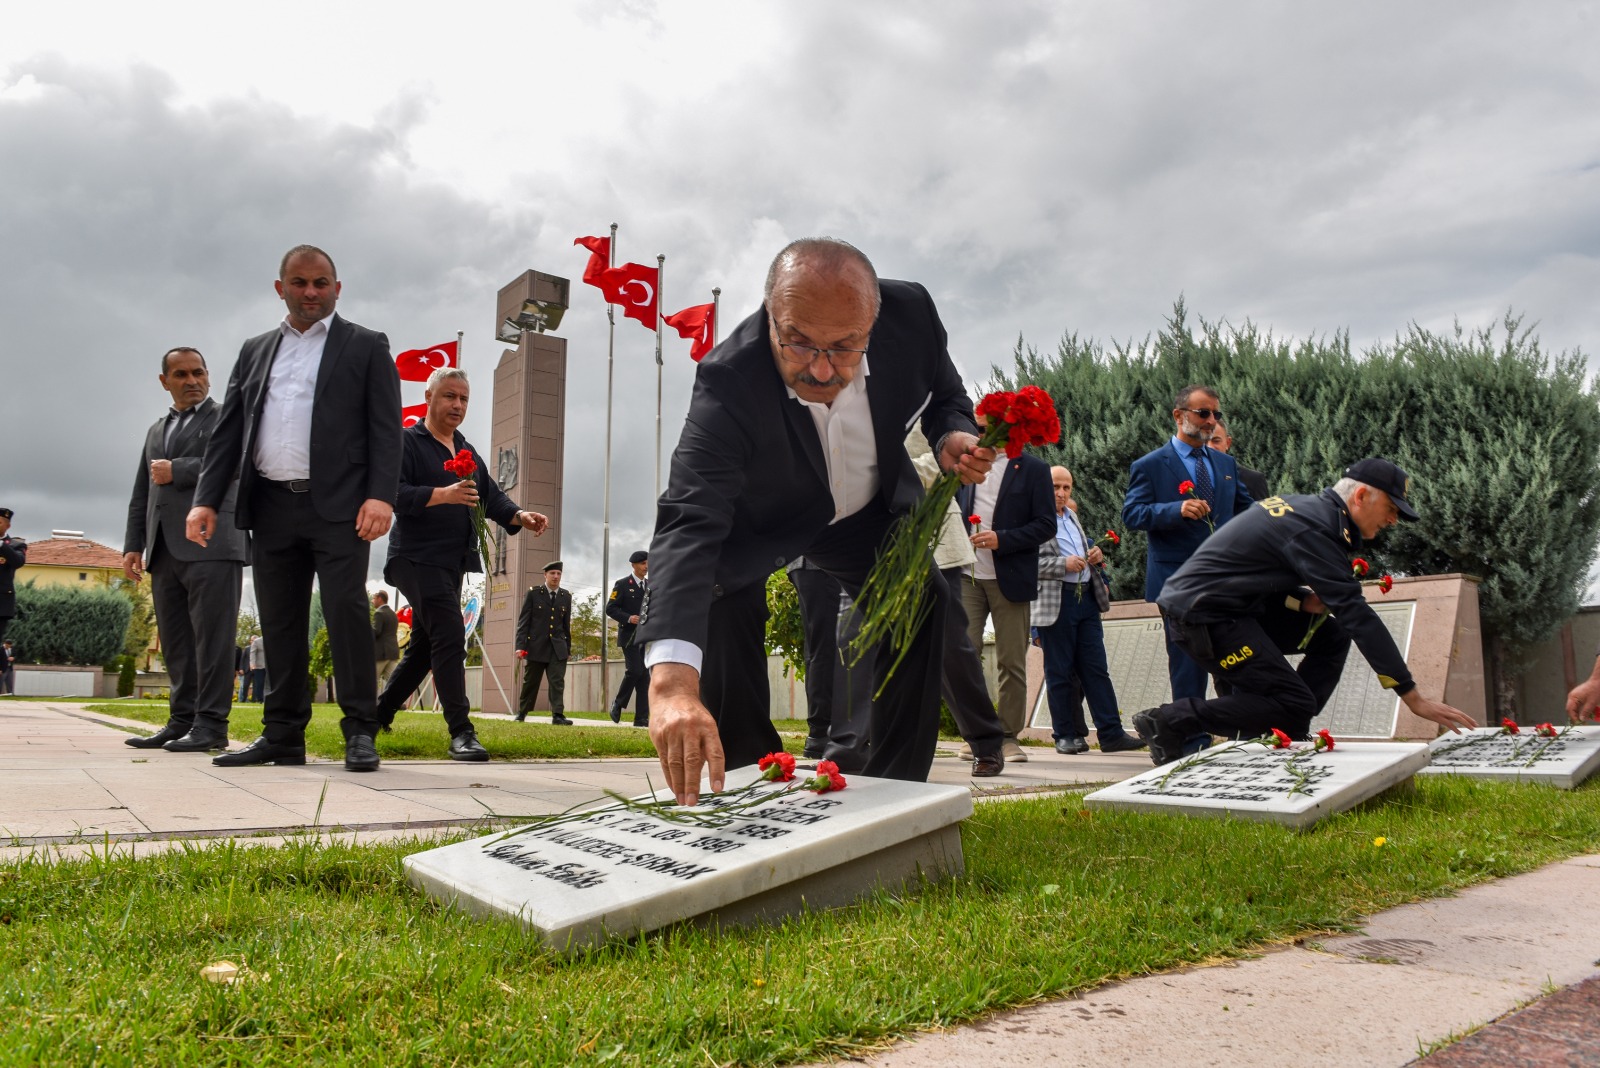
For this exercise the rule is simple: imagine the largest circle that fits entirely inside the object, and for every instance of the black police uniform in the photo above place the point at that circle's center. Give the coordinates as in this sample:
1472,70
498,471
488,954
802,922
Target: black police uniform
13,554
1235,607
627,599
544,632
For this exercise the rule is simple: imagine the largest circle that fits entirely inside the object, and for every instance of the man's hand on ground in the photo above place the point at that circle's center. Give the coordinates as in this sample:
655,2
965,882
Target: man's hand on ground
372,522
684,734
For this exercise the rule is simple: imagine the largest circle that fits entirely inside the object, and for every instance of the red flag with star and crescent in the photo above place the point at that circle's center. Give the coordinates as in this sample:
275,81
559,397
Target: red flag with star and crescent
415,365
599,257
631,285
412,414
698,324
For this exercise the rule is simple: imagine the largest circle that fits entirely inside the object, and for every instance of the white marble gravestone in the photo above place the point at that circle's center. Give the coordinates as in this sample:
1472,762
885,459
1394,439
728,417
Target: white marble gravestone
613,873
1247,780
1490,753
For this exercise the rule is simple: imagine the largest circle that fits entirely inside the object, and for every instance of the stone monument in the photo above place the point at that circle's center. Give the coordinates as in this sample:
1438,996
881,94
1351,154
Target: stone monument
1563,761
614,871
526,451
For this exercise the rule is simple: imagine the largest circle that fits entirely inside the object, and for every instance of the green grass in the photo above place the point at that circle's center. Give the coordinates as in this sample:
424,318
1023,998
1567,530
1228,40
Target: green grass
100,959
421,735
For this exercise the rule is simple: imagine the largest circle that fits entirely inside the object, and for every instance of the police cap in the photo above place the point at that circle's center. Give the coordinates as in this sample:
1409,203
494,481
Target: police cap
1381,474
554,565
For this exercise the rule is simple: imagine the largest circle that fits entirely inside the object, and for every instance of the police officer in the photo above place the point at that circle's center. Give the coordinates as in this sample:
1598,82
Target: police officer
544,640
625,605
13,554
1255,589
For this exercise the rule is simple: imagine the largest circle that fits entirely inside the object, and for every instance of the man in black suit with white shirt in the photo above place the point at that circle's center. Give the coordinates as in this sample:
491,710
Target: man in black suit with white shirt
794,445
195,591
311,426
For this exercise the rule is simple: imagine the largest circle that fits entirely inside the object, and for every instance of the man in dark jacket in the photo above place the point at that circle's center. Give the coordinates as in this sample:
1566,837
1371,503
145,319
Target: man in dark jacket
624,606
1257,589
194,590
434,544
13,554
544,641
385,636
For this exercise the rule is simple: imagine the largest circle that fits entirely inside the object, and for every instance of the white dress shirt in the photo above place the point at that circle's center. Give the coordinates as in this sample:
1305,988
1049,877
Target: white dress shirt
283,434
850,452
984,496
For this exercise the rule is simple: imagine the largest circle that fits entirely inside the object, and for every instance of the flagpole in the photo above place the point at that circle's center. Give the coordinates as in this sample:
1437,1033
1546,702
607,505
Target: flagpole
605,520
460,334
716,313
661,272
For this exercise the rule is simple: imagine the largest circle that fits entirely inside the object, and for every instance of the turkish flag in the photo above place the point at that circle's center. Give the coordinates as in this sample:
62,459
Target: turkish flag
599,257
415,365
698,324
632,285
413,414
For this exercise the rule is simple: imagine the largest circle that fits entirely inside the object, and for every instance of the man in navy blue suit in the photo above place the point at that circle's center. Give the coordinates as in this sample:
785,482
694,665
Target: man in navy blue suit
1178,522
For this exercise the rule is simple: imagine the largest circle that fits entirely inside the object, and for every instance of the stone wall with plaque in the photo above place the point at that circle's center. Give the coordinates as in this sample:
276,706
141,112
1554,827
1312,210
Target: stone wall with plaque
1433,619
526,453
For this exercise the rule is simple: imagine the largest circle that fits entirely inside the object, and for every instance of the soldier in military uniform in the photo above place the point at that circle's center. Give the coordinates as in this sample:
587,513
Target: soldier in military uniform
13,554
544,640
625,605
1253,592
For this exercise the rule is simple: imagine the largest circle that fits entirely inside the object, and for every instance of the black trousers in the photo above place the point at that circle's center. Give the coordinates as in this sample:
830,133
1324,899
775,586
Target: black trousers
197,612
733,679
293,547
838,696
961,680
1246,655
438,642
635,680
535,670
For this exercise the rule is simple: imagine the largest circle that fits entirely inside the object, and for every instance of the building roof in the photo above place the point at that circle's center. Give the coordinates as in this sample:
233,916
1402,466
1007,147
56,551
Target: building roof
72,552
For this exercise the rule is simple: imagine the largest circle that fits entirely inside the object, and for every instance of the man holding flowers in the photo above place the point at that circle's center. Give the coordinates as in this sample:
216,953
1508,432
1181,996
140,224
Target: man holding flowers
794,446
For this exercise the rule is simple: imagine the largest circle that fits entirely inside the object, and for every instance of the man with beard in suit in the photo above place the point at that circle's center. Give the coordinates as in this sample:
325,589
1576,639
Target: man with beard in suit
311,428
544,641
195,591
794,445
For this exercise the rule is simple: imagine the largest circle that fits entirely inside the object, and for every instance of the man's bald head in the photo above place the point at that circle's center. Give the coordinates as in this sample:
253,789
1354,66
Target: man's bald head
1061,480
812,258
822,302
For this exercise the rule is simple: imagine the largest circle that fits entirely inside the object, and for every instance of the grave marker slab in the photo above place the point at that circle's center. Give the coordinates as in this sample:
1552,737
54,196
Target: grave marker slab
1489,753
613,873
1247,780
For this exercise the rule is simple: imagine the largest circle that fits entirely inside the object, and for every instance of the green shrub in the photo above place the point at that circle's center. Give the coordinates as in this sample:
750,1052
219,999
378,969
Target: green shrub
125,677
69,624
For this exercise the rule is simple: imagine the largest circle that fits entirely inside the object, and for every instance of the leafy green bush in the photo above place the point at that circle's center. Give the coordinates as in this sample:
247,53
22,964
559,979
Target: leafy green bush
69,624
125,675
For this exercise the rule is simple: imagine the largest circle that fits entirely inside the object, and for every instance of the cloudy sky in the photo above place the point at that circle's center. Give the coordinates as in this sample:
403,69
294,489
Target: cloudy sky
1041,167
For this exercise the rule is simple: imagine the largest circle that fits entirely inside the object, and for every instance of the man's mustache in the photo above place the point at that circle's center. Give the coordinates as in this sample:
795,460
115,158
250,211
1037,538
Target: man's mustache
806,378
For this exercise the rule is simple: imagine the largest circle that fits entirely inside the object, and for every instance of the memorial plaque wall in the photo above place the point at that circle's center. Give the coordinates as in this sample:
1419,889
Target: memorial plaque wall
1564,761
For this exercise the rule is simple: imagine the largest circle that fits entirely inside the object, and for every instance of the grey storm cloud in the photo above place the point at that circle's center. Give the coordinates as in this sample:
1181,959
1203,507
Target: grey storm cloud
1041,167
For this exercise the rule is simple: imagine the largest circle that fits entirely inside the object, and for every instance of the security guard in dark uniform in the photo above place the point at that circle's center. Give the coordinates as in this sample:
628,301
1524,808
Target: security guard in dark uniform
1252,592
13,554
544,641
625,606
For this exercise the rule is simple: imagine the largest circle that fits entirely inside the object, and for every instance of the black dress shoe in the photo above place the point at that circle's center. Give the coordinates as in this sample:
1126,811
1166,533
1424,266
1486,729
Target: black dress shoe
1127,743
520,719
158,739
814,748
616,714
360,754
198,740
261,751
559,720
1069,746
986,766
465,746
1080,745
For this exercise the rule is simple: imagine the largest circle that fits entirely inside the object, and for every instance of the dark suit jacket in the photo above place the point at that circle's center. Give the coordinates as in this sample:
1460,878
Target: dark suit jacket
1153,505
385,629
12,556
355,425
627,599
748,488
1024,519
544,626
1255,482
154,509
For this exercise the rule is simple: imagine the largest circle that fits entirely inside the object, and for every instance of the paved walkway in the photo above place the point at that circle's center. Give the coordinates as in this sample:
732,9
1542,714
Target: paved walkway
1417,975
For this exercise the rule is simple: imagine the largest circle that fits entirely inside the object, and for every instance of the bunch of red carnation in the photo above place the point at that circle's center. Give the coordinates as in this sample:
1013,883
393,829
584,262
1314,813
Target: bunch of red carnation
462,465
1027,417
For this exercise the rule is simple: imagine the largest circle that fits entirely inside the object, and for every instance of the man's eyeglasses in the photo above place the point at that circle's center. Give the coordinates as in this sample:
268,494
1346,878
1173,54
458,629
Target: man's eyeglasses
806,355
1204,413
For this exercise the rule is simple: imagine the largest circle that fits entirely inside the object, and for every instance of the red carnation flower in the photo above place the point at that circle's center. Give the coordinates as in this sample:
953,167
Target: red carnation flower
1324,741
975,519
1359,567
826,779
1111,536
1509,726
1185,488
462,465
1385,584
1280,740
1029,416
1546,730
776,767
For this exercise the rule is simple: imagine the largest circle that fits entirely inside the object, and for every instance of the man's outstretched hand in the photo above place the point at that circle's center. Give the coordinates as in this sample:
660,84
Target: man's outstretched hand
683,731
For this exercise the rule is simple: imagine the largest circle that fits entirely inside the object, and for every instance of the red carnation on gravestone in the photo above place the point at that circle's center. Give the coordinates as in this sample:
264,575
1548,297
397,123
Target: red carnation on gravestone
1545,730
1509,726
776,767
827,778
1280,740
1324,741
